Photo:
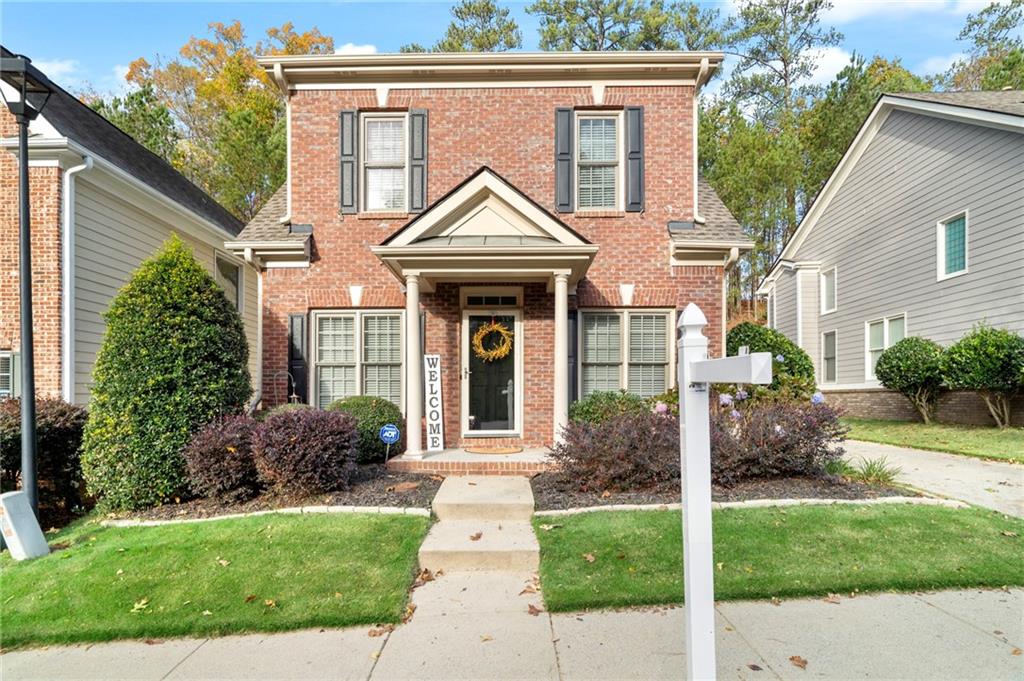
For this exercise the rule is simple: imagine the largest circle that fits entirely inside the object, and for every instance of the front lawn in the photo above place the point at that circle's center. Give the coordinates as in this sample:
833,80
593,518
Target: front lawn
265,573
777,552
982,441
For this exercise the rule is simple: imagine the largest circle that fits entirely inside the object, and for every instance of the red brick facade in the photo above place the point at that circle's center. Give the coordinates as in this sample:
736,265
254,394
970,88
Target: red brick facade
512,132
45,201
957,406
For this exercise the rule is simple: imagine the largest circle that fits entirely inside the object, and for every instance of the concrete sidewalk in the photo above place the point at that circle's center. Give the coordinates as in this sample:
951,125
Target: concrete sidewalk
990,484
477,626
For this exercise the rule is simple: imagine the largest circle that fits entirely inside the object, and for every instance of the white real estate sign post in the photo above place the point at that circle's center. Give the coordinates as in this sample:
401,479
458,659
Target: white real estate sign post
435,409
696,371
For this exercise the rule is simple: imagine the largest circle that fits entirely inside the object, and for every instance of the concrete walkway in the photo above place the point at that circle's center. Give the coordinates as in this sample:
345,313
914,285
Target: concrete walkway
477,626
991,484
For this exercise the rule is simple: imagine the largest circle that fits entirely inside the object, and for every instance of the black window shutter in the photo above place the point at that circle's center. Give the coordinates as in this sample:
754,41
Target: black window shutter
574,365
297,356
634,159
417,160
563,160
348,147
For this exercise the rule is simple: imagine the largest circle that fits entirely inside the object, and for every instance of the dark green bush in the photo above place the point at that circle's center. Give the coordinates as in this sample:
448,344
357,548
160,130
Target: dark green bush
174,357
991,362
601,406
306,451
792,369
58,469
370,414
913,367
219,459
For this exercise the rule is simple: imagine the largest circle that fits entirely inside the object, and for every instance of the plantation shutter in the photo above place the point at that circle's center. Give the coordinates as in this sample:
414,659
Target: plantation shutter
563,160
382,356
417,160
574,364
634,159
15,374
602,352
348,146
298,356
648,354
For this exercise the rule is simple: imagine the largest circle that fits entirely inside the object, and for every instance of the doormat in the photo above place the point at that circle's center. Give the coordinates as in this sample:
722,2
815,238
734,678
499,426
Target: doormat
493,450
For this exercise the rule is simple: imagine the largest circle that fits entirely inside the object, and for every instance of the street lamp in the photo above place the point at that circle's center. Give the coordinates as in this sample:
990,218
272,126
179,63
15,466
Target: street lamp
33,90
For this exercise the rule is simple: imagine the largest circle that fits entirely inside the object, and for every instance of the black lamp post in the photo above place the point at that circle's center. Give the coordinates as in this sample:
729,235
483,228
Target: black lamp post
33,89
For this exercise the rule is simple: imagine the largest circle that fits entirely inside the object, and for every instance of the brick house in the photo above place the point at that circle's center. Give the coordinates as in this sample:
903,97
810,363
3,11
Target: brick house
100,204
544,205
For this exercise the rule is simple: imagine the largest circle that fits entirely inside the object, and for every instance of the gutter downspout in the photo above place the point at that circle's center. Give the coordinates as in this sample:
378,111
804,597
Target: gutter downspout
67,321
702,76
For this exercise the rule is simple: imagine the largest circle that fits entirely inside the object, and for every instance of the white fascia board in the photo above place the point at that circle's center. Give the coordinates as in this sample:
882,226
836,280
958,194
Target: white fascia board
712,245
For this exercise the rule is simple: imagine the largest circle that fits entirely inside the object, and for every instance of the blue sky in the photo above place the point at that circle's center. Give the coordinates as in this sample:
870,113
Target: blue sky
82,44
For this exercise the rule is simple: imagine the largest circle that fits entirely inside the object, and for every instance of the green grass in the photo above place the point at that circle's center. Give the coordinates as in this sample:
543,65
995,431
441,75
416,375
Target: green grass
986,442
152,582
783,552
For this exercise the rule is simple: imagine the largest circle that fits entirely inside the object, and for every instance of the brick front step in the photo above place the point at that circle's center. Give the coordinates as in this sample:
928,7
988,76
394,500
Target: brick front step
527,468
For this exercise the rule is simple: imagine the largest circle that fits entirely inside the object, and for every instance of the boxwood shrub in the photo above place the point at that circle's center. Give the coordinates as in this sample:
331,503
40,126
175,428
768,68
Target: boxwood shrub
370,414
991,362
913,367
219,459
603,405
792,369
306,451
174,357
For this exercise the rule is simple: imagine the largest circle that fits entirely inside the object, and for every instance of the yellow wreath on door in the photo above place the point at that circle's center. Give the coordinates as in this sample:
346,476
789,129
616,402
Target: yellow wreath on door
499,351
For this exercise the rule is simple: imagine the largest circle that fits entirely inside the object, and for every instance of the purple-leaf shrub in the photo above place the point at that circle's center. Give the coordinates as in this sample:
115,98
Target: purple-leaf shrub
307,451
220,462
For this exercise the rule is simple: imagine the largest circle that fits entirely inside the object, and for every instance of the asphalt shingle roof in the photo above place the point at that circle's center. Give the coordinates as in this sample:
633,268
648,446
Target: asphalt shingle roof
999,101
267,225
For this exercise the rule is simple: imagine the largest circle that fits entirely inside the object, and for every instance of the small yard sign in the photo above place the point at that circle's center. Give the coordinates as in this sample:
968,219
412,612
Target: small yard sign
696,371
389,433
435,409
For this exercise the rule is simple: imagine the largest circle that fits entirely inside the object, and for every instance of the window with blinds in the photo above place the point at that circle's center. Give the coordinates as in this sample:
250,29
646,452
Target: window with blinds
384,163
953,247
828,357
597,169
6,375
624,350
358,353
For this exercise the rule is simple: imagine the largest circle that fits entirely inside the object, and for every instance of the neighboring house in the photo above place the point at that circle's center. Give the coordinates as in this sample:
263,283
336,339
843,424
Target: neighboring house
919,232
430,195
101,204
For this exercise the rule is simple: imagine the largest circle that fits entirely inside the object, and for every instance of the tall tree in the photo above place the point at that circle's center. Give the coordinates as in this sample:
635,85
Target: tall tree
222,101
594,25
994,34
1007,72
476,26
143,117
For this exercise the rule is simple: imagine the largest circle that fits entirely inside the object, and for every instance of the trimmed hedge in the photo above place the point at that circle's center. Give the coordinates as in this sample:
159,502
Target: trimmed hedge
370,414
174,357
913,367
601,406
306,451
220,462
991,362
792,368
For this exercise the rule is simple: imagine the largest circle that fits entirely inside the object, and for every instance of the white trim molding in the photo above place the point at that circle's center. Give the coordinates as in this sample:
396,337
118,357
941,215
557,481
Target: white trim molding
940,246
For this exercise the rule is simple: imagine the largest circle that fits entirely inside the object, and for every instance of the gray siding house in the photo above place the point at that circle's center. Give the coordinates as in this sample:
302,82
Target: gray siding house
919,231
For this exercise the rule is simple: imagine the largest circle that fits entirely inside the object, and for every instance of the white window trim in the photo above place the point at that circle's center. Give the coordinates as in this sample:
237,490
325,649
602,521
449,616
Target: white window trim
620,171
940,249
835,285
624,312
240,264
10,377
519,382
868,376
364,119
313,344
824,374
466,291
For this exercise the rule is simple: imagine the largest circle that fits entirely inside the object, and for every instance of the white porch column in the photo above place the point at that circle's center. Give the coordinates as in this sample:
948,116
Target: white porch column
413,369
561,388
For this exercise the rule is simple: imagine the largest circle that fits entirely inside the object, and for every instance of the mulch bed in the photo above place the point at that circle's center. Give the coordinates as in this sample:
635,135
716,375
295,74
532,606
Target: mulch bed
555,491
373,486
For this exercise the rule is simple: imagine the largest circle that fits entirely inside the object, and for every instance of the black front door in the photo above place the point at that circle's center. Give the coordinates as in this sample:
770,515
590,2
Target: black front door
492,389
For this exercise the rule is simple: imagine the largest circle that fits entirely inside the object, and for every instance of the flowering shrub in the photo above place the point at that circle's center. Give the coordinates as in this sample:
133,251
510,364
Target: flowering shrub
772,438
307,451
627,451
219,459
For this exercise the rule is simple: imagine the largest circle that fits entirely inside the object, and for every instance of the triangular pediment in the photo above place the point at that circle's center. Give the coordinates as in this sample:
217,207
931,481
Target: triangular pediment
485,209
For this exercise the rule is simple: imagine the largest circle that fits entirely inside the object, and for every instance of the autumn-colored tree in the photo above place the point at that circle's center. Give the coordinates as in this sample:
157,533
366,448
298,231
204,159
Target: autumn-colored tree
995,33
228,111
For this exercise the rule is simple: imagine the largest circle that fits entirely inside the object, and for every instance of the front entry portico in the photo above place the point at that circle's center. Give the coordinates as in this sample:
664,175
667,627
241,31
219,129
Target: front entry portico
485,231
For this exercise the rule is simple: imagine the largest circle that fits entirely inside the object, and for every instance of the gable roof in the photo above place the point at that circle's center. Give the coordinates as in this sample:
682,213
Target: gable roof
76,121
999,109
719,225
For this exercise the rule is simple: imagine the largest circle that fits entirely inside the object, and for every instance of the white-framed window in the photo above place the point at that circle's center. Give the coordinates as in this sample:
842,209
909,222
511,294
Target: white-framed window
357,353
770,309
952,246
384,158
229,276
6,375
626,350
828,356
879,335
828,290
599,164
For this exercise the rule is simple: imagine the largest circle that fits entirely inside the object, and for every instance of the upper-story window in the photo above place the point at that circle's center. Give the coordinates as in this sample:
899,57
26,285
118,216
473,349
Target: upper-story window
952,247
828,291
599,162
385,155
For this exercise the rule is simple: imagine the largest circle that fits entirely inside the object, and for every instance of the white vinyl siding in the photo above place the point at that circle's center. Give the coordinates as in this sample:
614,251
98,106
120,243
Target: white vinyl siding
828,357
828,291
625,350
358,353
6,375
598,163
384,163
882,334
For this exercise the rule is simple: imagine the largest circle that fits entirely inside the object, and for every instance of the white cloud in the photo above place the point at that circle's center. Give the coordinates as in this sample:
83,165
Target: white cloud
846,11
60,71
938,64
829,62
352,48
